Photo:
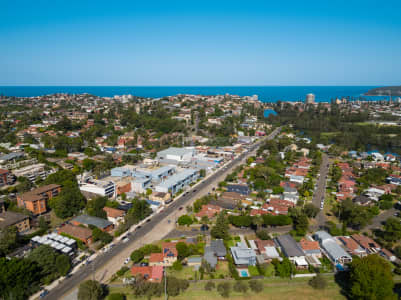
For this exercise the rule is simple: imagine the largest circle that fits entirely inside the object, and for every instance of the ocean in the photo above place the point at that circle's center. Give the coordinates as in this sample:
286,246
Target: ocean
265,93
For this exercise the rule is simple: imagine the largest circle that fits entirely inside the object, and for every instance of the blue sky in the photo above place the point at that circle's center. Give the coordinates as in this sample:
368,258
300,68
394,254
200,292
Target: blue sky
200,42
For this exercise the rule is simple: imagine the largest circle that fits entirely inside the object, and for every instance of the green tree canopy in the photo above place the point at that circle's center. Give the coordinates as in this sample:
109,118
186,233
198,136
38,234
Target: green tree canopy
371,278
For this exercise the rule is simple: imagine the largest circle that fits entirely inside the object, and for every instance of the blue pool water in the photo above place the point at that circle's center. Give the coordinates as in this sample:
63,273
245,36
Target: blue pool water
244,273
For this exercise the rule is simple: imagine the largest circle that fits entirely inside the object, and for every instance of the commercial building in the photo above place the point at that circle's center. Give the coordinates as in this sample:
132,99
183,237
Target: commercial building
81,233
176,154
36,200
99,187
86,220
178,181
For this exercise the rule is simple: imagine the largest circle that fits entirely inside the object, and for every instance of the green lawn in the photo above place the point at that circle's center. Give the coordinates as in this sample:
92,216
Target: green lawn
253,271
275,288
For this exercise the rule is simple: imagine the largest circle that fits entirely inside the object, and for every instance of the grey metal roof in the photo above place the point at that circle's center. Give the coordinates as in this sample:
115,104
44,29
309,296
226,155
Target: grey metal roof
95,221
218,248
289,246
334,250
173,180
209,256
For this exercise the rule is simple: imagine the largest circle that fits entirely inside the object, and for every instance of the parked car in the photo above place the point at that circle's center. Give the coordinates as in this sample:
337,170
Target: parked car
126,260
125,239
44,293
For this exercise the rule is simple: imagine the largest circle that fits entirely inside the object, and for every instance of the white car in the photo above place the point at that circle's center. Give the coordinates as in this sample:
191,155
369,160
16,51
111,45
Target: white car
126,260
125,239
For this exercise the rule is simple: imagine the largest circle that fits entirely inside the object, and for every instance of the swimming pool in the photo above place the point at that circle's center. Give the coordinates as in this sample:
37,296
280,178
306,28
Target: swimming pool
244,273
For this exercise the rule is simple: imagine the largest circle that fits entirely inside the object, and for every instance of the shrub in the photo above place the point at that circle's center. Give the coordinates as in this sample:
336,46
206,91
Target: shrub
122,271
318,282
240,287
256,286
224,289
177,265
209,286
116,296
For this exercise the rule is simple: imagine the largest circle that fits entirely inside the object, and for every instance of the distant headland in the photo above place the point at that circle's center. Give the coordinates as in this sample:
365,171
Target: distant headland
385,91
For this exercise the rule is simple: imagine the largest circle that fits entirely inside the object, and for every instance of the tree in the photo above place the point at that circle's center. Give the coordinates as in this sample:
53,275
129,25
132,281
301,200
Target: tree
284,268
19,278
224,289
183,250
177,265
256,285
43,224
104,237
220,230
69,202
185,220
137,256
318,282
95,207
63,264
311,210
45,257
263,234
240,286
392,229
8,239
90,290
209,286
371,278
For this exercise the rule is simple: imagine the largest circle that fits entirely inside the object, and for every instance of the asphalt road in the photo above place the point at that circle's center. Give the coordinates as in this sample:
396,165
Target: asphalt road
320,191
70,283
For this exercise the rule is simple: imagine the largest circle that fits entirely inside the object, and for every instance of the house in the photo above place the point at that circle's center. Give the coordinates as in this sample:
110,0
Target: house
333,250
163,198
149,273
156,259
36,200
241,189
170,253
387,255
218,249
86,220
210,257
81,233
369,245
242,255
194,261
310,247
114,215
362,200
290,248
9,218
352,247
209,211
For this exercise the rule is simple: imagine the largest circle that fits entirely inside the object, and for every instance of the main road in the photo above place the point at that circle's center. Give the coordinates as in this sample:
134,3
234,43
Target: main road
103,262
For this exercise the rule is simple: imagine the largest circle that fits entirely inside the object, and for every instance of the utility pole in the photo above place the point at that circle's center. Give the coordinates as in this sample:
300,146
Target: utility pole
165,283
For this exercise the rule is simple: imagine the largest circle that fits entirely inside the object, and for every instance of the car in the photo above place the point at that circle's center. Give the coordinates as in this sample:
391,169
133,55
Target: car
148,220
126,260
144,264
194,191
321,205
44,293
125,239
181,208
138,227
